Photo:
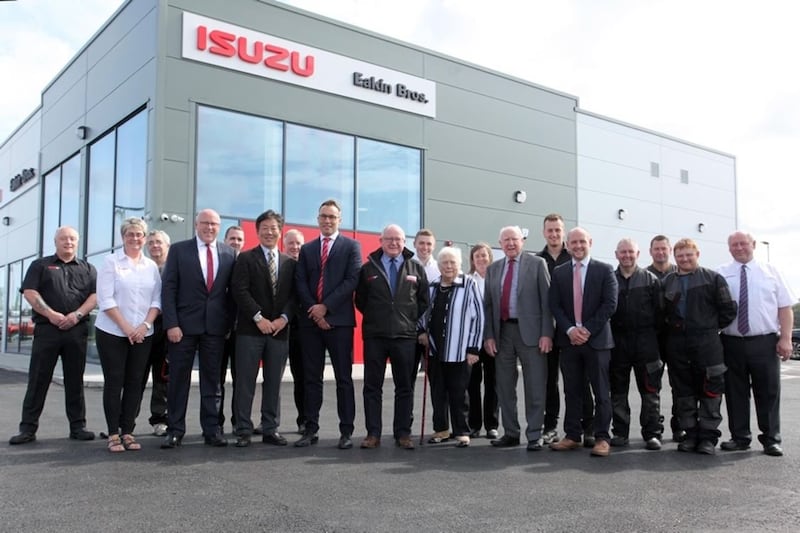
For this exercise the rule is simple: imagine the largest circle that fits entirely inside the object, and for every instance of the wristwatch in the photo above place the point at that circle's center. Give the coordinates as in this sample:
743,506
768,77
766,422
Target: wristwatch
258,318
78,314
148,325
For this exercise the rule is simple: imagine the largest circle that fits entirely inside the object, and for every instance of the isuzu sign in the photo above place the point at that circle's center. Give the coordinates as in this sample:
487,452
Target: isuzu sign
244,50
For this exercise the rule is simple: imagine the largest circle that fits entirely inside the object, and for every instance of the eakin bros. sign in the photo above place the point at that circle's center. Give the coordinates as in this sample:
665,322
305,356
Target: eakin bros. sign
236,48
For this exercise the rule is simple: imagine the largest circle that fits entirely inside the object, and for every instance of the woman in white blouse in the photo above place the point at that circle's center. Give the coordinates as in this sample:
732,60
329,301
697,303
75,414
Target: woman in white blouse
129,298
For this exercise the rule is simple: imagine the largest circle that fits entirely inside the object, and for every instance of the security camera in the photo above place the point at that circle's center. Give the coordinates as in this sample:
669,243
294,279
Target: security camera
164,217
176,218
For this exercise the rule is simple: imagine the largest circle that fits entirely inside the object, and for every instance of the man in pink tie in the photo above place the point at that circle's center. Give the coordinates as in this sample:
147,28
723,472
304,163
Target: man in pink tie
518,326
583,296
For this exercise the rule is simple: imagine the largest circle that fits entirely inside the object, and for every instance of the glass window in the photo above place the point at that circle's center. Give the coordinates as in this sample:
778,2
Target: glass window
25,314
52,210
91,346
131,172
388,192
319,165
14,305
3,309
239,163
71,192
101,194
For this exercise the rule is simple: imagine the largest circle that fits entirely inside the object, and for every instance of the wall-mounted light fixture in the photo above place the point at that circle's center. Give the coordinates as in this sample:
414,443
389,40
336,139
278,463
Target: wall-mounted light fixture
520,197
81,131
6,221
621,214
701,227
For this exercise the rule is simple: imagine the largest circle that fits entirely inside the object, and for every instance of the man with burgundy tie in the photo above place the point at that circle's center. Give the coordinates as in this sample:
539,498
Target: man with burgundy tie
519,326
754,345
583,296
697,305
198,313
325,279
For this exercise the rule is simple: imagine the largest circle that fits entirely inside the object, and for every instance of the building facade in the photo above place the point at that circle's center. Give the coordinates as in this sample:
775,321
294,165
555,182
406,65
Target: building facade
178,105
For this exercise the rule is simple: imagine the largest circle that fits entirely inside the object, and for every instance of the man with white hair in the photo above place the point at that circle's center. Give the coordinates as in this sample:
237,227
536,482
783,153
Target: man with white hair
754,345
518,326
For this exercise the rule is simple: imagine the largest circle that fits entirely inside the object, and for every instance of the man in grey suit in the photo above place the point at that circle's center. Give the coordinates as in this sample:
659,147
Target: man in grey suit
518,326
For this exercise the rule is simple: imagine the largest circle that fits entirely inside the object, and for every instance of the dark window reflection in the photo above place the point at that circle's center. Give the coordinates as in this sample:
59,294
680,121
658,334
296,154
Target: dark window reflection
319,165
14,306
239,163
3,307
101,194
388,186
71,192
52,210
131,172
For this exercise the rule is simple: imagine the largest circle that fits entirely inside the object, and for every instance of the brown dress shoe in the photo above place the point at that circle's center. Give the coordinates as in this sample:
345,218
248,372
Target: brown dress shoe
601,449
565,444
405,443
370,442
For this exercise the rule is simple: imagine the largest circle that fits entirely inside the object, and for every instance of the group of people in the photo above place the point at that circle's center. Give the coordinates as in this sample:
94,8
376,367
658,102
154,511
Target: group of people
556,313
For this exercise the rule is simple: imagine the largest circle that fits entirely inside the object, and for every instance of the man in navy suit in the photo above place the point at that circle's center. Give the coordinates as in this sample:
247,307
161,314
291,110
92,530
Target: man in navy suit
325,278
197,311
583,296
263,289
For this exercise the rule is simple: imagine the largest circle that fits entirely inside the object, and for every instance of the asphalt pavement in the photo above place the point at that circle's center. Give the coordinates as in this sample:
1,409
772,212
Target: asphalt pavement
57,484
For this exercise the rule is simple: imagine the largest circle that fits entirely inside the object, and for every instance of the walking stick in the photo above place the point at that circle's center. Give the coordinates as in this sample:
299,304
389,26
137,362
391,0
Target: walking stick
424,394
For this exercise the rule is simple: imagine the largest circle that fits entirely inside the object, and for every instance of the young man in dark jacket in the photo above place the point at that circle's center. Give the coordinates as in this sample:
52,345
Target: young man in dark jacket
392,294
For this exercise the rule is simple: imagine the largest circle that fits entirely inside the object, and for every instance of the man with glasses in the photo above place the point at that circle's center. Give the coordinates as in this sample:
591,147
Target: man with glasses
325,278
197,309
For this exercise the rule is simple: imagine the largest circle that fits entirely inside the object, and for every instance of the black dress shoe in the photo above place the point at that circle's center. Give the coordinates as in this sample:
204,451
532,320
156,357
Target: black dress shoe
81,434
301,429
535,446
307,439
773,449
687,445
345,443
243,441
589,441
258,430
475,434
274,438
171,441
706,447
505,442
23,437
734,445
216,440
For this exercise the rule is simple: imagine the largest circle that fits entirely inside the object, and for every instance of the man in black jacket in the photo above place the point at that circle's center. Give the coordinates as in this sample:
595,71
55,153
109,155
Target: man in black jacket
634,325
698,304
392,294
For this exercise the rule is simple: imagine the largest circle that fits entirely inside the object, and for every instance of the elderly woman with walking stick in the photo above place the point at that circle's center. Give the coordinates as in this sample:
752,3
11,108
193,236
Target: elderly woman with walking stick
452,328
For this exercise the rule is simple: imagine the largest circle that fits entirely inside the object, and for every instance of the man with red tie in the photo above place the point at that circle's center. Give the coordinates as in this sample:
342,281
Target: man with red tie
325,279
583,296
198,313
518,326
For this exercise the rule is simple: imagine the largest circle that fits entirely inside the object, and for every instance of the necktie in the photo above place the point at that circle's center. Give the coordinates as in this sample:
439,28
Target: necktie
393,274
273,271
325,245
577,293
209,268
505,296
743,320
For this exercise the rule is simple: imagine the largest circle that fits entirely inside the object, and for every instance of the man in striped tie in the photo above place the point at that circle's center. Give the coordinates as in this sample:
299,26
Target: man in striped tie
755,344
325,278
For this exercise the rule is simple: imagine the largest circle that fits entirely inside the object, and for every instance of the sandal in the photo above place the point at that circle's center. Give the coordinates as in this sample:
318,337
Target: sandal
130,443
114,444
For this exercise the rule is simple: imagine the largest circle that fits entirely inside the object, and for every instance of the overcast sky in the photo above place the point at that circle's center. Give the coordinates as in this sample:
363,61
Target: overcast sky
722,74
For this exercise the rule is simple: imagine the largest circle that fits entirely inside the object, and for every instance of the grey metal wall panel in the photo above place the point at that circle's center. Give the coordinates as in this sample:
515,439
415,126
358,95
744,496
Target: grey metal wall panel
129,21
489,114
62,113
492,152
122,100
452,72
65,81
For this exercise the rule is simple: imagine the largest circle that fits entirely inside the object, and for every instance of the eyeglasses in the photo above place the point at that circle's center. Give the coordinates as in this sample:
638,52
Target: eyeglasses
207,223
392,239
327,217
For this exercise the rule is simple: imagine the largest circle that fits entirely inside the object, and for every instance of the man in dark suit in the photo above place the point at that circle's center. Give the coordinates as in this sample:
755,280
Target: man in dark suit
263,289
325,278
197,311
583,296
518,326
